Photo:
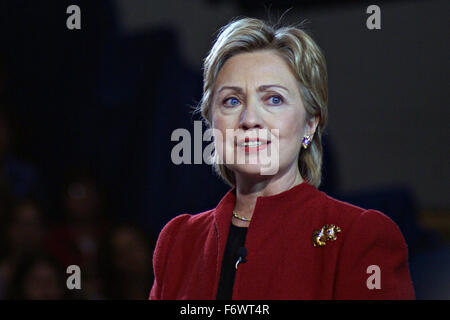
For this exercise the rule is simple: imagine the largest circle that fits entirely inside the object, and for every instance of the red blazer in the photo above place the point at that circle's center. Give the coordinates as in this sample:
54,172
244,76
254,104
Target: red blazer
282,261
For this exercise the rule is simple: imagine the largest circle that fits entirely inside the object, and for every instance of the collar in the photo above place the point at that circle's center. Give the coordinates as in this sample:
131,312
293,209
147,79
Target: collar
269,212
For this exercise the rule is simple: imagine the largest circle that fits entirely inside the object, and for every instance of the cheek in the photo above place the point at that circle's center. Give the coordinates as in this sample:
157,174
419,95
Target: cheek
290,127
221,125
290,136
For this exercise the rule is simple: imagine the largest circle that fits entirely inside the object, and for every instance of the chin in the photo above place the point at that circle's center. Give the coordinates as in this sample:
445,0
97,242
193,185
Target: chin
250,170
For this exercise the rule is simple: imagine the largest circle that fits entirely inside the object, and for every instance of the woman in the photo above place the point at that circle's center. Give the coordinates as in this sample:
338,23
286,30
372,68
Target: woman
275,236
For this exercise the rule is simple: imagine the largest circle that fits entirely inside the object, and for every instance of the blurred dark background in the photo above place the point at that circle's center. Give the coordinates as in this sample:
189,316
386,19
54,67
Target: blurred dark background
86,118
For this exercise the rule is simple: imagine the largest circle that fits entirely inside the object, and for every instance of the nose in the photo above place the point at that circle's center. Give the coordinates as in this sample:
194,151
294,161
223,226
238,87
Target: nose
250,117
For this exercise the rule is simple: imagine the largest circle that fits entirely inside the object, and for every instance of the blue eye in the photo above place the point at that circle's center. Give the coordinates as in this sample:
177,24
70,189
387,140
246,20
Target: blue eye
276,100
231,102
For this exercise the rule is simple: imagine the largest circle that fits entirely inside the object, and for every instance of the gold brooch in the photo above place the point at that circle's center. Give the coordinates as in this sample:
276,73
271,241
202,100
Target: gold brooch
328,232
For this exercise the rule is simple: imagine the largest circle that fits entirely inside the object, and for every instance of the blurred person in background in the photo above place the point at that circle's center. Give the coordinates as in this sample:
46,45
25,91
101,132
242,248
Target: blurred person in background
22,236
75,239
127,263
38,277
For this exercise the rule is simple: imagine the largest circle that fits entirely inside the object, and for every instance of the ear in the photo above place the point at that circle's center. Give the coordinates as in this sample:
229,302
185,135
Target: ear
311,125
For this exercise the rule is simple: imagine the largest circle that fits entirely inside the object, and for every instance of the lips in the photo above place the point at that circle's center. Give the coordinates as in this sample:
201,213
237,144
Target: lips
253,144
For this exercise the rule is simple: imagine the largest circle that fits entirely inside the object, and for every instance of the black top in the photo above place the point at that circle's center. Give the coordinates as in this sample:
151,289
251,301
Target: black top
236,240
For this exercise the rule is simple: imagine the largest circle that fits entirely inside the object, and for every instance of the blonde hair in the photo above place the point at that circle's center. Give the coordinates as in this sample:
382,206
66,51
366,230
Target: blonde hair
307,63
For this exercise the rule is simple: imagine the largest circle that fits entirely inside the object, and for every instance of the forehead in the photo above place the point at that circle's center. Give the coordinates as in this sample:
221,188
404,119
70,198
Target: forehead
258,68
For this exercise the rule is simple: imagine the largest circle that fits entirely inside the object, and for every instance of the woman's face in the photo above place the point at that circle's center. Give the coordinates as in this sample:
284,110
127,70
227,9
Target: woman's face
257,96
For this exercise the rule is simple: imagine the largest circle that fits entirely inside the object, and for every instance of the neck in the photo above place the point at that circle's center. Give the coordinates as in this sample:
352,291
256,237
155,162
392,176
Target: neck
248,190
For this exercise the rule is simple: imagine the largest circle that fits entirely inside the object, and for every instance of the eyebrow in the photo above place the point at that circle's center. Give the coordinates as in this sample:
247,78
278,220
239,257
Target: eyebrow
260,88
237,89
